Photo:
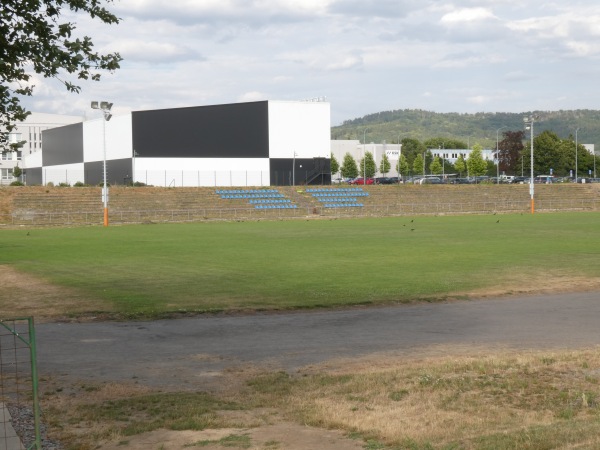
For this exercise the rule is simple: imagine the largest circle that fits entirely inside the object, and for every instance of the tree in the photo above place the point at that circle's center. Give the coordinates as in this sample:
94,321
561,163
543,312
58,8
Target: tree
334,165
475,162
411,148
436,166
349,169
402,166
440,142
460,165
418,166
17,172
510,149
384,165
367,165
34,38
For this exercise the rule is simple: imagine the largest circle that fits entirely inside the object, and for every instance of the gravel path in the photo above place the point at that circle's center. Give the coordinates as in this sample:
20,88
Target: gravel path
189,352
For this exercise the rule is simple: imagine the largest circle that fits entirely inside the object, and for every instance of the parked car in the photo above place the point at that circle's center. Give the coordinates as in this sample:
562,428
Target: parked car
361,180
385,180
429,180
459,181
519,180
341,180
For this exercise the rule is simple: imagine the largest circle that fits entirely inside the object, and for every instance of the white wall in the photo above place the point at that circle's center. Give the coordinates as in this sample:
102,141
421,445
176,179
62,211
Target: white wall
301,127
202,172
66,173
119,141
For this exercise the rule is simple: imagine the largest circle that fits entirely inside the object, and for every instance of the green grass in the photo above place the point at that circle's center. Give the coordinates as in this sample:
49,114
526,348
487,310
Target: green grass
151,269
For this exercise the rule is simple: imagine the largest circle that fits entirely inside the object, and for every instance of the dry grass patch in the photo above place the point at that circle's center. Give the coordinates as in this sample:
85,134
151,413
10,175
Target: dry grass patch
25,295
505,400
490,402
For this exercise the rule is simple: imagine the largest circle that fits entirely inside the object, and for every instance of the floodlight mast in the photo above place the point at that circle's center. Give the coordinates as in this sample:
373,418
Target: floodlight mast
105,107
528,121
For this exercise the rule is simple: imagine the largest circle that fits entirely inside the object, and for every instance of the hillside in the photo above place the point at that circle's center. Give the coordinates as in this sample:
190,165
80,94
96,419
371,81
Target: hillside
480,128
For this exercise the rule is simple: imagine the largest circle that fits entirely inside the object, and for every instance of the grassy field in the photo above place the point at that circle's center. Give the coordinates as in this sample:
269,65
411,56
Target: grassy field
155,269
535,400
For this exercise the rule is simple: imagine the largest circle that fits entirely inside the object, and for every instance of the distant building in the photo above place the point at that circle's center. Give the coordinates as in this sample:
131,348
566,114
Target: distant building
29,132
452,155
339,148
243,144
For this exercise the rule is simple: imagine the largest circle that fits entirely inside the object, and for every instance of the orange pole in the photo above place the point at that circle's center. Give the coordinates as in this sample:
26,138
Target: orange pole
532,207
105,217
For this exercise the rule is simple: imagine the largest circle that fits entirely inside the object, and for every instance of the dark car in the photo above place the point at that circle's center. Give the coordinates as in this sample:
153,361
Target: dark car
519,180
385,180
460,181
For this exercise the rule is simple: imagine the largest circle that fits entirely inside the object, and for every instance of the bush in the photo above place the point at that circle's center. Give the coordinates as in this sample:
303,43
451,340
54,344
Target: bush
17,183
50,184
63,184
80,184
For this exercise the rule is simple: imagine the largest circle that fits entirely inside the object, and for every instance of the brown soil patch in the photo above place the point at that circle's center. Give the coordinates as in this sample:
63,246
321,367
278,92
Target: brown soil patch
25,295
282,436
543,283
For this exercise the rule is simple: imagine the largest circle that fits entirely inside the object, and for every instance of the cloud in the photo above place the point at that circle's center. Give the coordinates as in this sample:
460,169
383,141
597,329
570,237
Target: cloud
252,96
361,9
155,52
253,13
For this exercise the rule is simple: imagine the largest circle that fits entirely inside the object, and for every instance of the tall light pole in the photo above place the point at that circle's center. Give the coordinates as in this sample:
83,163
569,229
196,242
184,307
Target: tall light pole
106,115
294,170
498,156
529,125
576,154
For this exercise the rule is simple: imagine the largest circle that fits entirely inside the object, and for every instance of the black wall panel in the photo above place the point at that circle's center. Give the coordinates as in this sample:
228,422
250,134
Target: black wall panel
33,177
118,172
63,145
220,131
306,171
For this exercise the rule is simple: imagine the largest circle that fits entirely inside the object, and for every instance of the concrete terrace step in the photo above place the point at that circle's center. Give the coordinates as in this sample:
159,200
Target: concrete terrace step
38,205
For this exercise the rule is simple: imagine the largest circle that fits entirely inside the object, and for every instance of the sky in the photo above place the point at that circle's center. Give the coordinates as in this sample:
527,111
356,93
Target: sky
363,56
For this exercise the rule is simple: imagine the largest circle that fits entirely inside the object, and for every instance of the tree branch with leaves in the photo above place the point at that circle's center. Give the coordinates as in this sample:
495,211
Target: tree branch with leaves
34,39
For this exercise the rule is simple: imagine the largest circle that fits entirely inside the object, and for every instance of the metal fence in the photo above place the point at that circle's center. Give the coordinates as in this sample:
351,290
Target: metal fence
245,213
19,401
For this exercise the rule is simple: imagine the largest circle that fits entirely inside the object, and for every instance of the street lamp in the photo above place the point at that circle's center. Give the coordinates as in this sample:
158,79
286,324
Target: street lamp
529,125
294,170
576,154
105,108
498,157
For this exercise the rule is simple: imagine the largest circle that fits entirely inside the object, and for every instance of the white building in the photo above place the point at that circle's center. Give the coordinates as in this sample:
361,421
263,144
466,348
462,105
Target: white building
29,132
339,148
244,144
452,155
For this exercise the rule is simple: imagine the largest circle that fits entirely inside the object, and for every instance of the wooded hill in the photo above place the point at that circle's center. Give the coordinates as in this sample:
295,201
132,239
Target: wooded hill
390,126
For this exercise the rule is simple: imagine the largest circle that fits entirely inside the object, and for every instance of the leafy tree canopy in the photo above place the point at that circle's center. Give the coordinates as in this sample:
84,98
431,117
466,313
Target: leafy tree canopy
335,165
34,38
367,165
349,169
384,165
475,163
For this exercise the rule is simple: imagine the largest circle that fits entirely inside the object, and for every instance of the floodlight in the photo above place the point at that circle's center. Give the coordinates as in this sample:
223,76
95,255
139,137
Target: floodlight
107,116
95,105
105,106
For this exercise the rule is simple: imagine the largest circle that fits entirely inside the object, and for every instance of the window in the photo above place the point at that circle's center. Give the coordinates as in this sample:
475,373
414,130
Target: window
7,156
7,174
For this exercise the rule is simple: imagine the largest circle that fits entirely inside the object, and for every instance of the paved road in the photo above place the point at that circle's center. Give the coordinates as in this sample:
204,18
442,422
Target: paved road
192,350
